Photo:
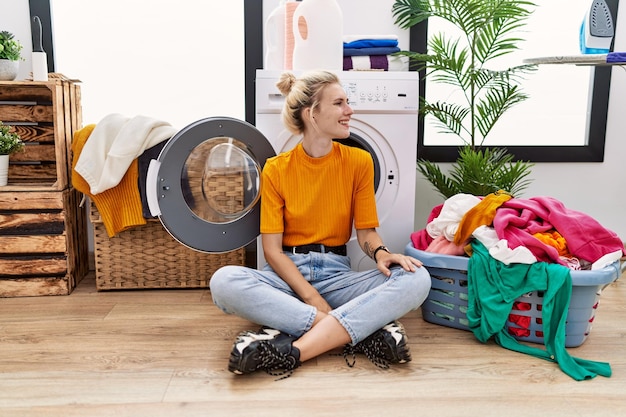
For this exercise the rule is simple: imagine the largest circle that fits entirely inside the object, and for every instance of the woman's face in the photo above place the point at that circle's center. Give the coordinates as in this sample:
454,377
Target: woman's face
332,115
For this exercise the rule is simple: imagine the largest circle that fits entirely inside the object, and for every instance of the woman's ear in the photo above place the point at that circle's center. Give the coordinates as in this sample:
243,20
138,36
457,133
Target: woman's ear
307,114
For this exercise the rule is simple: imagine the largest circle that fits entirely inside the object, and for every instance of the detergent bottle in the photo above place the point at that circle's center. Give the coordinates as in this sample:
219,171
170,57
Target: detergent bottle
274,34
318,35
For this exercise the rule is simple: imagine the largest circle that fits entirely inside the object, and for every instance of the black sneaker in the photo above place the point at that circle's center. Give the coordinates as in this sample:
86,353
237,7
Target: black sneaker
268,349
383,347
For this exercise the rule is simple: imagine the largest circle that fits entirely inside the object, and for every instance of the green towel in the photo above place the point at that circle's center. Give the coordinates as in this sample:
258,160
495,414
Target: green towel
493,287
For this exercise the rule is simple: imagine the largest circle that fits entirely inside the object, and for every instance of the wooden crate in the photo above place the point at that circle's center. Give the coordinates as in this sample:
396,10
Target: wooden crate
147,257
43,243
45,114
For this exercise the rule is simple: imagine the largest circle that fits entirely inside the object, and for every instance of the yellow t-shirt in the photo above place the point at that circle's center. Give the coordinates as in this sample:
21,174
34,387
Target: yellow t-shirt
315,200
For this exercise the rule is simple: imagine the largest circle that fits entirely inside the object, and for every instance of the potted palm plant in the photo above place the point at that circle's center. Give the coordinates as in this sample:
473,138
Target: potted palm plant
10,143
10,55
488,29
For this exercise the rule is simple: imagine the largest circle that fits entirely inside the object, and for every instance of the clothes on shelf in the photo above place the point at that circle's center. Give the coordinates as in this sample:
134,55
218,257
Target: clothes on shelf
375,63
373,53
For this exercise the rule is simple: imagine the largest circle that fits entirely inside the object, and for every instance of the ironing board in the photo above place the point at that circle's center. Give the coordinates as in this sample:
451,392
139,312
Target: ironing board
612,58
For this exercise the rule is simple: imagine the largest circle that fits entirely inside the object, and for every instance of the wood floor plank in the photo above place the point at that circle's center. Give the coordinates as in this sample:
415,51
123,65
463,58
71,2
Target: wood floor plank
518,406
68,387
165,352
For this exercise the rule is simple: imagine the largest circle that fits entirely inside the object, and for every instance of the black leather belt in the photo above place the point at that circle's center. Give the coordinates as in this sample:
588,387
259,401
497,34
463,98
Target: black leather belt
338,250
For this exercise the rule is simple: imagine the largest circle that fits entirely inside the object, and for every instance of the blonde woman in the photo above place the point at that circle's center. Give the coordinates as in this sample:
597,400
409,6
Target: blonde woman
307,298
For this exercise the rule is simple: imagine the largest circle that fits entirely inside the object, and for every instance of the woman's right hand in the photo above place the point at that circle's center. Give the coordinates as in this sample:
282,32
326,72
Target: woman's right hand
318,302
288,271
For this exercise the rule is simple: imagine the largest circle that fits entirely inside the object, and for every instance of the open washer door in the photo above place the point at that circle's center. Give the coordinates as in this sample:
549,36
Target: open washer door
205,185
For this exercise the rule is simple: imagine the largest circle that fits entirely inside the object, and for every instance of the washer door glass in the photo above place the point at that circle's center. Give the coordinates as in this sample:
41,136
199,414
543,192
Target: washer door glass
221,181
205,186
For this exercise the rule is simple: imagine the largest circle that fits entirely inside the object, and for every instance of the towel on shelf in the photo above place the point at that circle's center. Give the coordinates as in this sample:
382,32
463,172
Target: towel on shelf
353,38
116,141
388,50
367,44
376,62
371,43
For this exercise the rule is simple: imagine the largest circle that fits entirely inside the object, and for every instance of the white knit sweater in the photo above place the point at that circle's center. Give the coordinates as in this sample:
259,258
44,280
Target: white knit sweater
113,145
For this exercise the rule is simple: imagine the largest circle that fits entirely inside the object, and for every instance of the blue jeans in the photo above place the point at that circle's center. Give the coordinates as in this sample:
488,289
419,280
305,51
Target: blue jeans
362,302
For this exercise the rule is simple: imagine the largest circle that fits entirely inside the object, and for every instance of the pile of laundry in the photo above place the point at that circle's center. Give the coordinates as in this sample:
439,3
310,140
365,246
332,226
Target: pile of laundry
518,246
516,230
373,53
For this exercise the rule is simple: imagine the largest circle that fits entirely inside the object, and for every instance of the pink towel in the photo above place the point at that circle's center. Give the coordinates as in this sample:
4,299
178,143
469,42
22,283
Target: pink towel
518,219
420,238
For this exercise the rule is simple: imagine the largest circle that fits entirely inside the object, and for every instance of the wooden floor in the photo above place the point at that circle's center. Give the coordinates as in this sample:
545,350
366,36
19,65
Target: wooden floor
164,353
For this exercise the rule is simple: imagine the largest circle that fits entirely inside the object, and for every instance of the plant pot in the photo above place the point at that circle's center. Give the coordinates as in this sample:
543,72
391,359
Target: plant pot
8,69
4,169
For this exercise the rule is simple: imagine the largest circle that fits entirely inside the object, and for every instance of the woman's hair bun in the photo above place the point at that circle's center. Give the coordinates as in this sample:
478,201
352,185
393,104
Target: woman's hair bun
286,82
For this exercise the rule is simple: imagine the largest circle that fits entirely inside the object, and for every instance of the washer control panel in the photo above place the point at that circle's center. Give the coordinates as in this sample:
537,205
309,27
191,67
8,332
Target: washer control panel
381,95
367,91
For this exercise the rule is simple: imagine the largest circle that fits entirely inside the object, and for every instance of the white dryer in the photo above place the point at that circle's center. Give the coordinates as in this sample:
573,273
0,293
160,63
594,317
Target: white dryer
384,123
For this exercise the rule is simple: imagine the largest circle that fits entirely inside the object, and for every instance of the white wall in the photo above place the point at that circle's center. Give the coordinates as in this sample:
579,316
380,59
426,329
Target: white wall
176,61
15,18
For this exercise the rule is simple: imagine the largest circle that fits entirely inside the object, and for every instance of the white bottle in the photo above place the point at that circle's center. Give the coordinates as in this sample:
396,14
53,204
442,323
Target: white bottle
274,34
318,36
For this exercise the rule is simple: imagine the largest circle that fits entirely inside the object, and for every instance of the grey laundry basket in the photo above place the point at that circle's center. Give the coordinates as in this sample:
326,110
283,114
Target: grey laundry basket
446,303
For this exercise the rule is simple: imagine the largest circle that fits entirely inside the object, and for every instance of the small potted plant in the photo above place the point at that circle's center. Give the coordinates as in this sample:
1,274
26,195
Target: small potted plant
10,55
10,143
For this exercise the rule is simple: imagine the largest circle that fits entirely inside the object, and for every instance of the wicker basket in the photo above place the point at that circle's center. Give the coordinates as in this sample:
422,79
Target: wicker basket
148,257
447,301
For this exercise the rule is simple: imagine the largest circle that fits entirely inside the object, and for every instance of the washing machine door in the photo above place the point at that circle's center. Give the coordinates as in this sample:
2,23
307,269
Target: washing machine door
205,185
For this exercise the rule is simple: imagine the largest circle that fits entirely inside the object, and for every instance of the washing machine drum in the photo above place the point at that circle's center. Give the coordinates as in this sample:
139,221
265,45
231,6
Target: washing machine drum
205,184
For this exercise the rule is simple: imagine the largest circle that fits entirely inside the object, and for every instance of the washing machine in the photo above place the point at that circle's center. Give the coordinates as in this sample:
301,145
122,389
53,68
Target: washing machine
205,184
384,123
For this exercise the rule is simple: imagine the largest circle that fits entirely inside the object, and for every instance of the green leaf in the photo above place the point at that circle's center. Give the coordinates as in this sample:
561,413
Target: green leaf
10,142
479,172
9,48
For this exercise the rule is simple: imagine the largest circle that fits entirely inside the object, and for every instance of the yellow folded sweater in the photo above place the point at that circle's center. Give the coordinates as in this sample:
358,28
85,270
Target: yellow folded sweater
120,207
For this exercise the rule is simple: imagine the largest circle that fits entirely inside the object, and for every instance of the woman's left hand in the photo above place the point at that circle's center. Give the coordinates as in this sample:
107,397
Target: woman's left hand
386,260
